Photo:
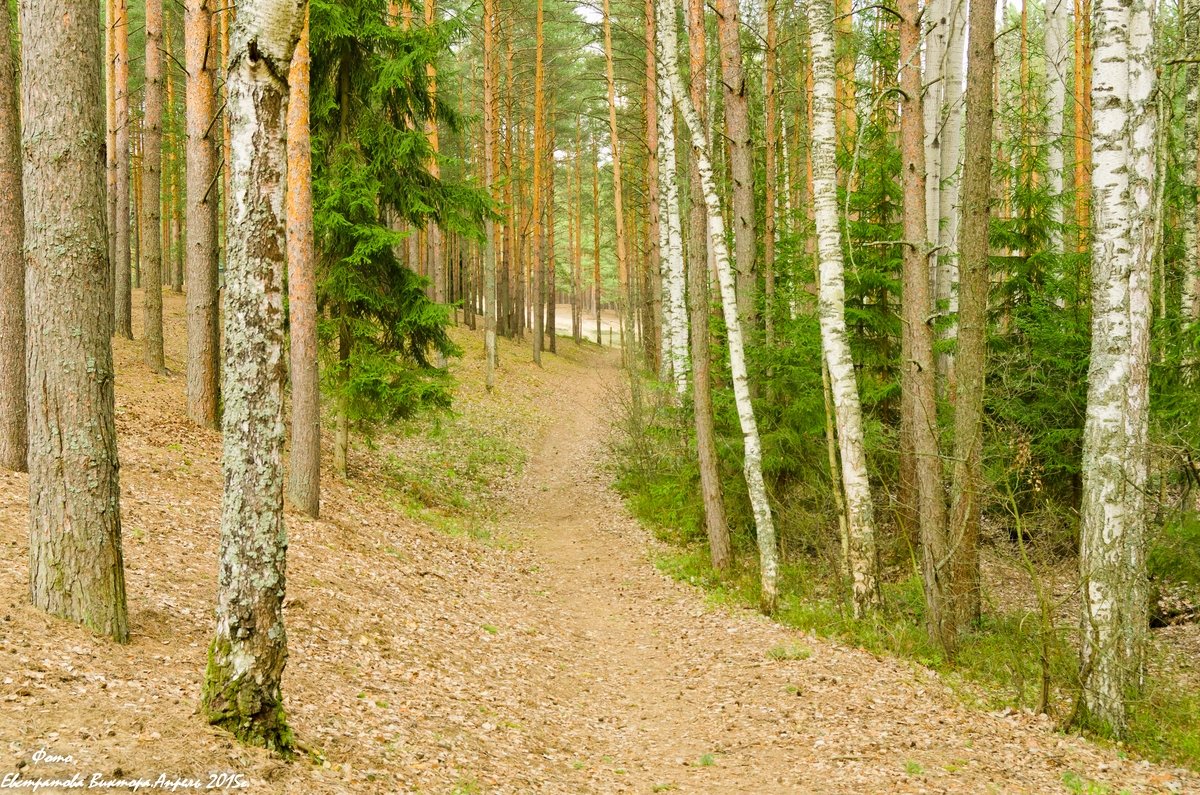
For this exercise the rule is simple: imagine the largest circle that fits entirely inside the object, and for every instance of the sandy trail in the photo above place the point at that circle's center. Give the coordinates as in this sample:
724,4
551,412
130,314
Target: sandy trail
666,694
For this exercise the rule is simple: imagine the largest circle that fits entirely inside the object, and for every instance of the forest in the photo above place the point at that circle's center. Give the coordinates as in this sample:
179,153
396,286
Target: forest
600,395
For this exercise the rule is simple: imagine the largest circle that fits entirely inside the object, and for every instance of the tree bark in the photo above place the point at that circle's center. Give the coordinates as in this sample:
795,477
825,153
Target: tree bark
203,318
1188,156
971,366
671,242
770,135
247,656
699,306
618,199
658,350
14,447
75,561
1058,20
489,255
918,387
122,295
741,159
304,476
597,287
539,247
433,233
861,561
752,446
1083,121
150,246
1112,513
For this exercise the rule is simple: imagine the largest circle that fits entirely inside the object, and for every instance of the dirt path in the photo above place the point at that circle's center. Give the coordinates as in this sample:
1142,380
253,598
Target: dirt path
665,694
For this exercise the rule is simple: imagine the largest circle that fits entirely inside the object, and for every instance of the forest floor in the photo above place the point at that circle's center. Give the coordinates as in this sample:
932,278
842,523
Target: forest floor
514,638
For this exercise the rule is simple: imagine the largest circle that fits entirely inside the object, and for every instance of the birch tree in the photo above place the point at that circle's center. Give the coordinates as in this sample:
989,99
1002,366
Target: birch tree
1190,151
75,559
13,438
860,510
246,659
752,446
1057,47
1113,507
671,240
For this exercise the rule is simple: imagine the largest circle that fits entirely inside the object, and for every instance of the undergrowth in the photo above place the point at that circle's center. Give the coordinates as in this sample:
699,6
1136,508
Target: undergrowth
1017,659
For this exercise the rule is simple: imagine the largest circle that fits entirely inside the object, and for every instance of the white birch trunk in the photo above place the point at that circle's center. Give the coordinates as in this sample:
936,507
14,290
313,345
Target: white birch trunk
1112,563
1191,127
242,687
675,319
763,522
937,14
1058,66
950,163
859,542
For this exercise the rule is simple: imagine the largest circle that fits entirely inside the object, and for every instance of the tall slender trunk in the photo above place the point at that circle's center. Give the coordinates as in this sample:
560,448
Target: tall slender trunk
658,345
861,562
551,267
1112,513
173,214
597,287
918,387
242,682
618,200
433,233
1190,152
122,297
75,561
14,446
950,138
489,254
967,484
752,446
741,159
1083,122
1058,20
304,475
203,317
671,241
150,245
577,254
699,306
539,246
771,122
110,141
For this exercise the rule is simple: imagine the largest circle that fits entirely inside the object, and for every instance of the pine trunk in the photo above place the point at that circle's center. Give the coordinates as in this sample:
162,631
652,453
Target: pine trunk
122,295
304,475
741,159
489,254
967,484
242,681
699,306
75,561
13,433
203,317
918,387
626,310
150,246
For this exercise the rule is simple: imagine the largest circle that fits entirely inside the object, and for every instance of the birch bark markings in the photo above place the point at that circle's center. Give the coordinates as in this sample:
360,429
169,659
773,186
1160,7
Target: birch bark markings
861,559
75,560
13,432
752,446
671,240
1056,33
1112,511
246,659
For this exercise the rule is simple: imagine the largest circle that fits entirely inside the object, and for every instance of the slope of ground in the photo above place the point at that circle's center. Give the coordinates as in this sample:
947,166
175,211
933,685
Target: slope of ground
548,657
